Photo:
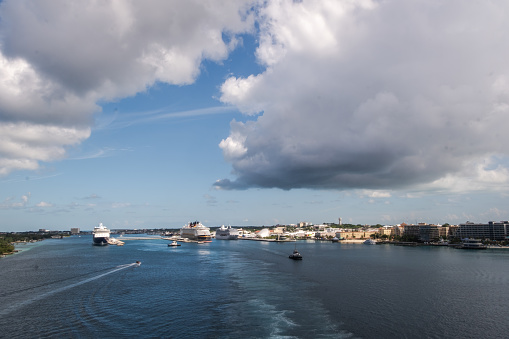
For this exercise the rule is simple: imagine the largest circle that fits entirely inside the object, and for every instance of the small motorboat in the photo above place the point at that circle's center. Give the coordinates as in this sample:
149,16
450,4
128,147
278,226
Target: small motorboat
295,255
173,243
138,263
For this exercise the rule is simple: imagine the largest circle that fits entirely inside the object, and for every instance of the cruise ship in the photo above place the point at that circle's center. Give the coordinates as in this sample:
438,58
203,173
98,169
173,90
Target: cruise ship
195,231
227,233
101,235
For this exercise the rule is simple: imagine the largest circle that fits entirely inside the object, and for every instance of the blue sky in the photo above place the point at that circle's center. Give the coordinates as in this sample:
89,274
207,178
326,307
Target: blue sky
252,113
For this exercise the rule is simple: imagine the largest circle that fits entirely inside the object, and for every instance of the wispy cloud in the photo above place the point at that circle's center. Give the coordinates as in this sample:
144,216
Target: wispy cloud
211,200
118,121
102,153
27,178
92,196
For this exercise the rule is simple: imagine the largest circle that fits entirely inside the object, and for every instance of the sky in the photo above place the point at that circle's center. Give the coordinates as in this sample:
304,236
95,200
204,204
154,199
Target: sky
151,114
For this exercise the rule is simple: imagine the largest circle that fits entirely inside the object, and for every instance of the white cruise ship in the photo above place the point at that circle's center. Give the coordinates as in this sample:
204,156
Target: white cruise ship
101,235
195,231
227,233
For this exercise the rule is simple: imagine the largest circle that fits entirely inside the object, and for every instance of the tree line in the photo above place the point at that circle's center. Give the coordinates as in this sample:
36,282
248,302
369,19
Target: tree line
7,239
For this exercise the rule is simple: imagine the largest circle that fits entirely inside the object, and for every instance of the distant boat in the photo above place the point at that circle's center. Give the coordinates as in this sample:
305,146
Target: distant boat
138,263
295,255
173,244
335,239
370,242
472,244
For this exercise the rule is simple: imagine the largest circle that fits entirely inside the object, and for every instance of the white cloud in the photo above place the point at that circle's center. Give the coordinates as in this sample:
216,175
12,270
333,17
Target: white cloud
59,58
44,204
375,95
11,203
375,194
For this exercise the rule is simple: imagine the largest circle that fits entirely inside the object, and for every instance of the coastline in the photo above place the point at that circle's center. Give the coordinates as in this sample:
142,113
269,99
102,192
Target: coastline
26,246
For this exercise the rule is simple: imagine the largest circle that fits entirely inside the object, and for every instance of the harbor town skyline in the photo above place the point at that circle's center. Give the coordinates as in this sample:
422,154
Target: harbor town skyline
257,113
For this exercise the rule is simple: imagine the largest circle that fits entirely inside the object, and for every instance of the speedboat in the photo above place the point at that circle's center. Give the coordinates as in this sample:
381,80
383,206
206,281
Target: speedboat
370,242
138,263
295,255
173,243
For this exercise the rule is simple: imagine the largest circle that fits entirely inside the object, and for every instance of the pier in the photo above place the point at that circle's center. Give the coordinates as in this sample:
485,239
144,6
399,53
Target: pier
268,240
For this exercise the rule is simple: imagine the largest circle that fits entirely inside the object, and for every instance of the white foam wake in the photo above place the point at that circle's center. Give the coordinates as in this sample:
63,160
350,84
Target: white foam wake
61,289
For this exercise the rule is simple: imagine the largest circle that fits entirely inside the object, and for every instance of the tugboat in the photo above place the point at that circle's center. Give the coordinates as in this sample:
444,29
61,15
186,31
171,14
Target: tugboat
295,255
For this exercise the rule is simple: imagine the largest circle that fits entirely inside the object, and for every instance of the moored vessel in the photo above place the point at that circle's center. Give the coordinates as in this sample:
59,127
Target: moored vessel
227,233
101,235
472,244
195,231
369,242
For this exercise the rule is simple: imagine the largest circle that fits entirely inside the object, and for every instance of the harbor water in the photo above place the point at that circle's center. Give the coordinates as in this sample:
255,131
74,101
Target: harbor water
250,289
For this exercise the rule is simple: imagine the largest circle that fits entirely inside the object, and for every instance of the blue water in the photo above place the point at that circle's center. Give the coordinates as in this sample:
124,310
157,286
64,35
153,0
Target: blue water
247,289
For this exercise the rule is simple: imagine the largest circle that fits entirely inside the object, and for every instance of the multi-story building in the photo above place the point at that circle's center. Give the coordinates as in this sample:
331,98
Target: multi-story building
386,230
411,230
351,234
426,232
429,232
492,230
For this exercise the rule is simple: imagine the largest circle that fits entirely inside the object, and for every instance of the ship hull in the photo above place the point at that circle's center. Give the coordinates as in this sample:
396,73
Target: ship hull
100,241
195,235
226,236
227,233
195,231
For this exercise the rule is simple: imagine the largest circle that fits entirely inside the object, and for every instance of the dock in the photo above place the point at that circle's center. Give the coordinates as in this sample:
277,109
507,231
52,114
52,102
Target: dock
145,238
268,240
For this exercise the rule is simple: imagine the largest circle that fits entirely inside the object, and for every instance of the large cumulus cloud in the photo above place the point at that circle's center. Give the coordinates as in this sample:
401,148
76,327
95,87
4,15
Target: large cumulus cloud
59,58
373,94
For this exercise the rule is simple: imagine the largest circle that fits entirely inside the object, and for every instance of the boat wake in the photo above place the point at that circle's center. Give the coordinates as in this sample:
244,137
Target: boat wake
27,302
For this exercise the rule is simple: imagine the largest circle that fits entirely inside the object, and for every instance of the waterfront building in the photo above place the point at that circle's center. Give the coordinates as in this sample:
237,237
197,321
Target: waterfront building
319,227
492,230
326,232
411,230
429,232
263,233
350,234
398,230
454,231
386,230
426,232
278,230
75,231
